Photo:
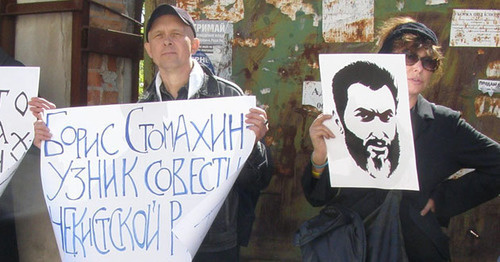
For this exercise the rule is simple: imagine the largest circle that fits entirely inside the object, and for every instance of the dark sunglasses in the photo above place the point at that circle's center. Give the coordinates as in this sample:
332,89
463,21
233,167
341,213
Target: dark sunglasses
428,63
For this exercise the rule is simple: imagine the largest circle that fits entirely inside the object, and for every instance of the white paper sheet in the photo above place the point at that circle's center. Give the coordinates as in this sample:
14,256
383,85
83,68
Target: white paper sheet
17,86
119,179
345,171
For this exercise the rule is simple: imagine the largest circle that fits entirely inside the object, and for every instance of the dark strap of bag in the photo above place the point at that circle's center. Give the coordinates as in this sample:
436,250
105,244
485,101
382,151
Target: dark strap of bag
383,231
336,234
339,234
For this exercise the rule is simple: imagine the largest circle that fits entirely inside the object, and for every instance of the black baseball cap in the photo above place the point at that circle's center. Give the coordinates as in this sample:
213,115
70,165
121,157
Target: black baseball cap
165,9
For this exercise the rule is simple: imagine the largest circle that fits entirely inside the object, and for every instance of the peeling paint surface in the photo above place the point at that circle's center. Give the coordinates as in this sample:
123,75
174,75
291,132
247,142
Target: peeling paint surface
265,91
269,42
253,42
226,10
493,69
487,106
479,28
348,21
291,7
400,4
246,42
436,2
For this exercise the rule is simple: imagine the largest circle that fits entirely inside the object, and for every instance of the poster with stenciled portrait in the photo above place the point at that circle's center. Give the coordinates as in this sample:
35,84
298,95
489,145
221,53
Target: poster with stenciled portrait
367,94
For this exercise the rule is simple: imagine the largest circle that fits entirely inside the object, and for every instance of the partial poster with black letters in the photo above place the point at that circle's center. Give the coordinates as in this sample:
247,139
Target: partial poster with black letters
367,94
17,86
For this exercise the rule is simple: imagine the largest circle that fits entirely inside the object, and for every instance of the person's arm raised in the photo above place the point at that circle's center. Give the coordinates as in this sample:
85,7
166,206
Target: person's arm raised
318,132
37,106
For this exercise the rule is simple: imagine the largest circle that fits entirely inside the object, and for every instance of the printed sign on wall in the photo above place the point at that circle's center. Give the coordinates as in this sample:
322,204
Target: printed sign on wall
216,49
474,27
311,94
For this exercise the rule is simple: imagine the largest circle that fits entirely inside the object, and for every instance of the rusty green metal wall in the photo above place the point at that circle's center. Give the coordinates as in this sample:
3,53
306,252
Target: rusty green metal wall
275,75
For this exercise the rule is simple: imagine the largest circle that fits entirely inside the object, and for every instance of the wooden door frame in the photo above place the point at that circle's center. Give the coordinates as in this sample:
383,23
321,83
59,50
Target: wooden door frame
85,39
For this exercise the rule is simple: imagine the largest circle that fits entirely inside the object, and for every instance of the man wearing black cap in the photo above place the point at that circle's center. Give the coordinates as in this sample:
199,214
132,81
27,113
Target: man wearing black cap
170,42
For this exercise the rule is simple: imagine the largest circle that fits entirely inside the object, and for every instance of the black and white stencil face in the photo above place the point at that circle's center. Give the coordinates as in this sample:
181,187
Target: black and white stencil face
368,97
371,132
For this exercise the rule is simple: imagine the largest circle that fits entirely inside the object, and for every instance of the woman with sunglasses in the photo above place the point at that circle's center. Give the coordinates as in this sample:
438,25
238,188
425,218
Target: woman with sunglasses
444,143
403,35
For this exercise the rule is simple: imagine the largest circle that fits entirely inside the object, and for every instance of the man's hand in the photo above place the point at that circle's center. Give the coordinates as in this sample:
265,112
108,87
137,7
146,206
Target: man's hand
38,105
42,133
257,118
429,206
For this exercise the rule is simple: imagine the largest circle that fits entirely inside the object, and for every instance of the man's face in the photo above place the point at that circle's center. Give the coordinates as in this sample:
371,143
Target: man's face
371,128
171,43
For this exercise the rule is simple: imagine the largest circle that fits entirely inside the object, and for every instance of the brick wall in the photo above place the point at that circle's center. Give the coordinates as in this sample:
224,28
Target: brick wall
107,81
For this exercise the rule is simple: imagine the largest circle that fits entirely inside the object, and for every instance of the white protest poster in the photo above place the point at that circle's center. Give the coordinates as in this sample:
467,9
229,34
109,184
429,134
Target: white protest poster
216,46
119,179
367,94
17,86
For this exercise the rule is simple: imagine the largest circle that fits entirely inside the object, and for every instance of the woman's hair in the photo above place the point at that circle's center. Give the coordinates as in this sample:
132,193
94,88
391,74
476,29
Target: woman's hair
406,34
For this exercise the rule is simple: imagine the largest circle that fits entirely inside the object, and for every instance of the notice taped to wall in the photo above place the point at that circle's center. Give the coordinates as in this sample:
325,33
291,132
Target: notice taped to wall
215,46
488,86
479,28
311,94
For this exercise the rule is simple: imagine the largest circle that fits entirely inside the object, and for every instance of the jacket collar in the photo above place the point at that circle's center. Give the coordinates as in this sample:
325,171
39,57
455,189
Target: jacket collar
196,79
424,108
421,116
